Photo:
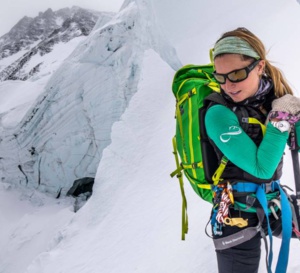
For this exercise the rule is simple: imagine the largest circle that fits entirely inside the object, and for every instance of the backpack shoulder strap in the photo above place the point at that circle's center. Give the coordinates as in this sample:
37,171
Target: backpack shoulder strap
214,98
213,169
241,112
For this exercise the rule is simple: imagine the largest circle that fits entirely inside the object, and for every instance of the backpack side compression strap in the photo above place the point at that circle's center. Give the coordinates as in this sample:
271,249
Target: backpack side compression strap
178,173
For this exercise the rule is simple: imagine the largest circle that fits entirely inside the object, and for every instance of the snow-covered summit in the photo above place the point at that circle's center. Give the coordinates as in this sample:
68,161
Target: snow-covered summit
29,30
24,50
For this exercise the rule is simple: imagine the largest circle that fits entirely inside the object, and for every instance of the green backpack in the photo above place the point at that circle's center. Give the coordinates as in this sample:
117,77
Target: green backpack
191,85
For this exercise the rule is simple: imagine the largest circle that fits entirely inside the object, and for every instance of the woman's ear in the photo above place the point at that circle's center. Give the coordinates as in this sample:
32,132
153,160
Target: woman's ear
261,67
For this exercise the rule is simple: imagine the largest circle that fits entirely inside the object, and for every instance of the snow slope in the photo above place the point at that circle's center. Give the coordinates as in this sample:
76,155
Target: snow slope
132,221
31,224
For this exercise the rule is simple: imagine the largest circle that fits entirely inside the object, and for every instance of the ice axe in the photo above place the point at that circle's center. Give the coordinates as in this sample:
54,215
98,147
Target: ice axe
295,158
296,169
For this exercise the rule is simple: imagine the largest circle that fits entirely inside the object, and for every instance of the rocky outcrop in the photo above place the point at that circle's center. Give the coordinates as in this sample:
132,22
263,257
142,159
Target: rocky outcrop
39,35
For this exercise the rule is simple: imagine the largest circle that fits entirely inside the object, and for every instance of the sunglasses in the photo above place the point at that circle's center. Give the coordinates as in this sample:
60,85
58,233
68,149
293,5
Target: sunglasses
236,75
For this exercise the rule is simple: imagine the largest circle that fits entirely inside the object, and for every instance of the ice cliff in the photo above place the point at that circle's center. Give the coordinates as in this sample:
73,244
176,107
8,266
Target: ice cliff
63,134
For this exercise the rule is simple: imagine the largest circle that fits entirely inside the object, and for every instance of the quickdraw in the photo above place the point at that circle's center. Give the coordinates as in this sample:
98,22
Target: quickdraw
223,207
223,200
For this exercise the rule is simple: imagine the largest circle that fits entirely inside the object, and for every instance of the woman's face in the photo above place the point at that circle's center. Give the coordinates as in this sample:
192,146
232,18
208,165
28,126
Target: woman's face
241,90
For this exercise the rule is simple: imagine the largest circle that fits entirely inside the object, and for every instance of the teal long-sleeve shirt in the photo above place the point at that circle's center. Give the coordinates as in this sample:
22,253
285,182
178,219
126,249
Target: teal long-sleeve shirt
223,128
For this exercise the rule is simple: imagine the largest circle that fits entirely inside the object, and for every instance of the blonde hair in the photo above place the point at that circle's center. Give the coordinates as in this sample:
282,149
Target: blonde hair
281,87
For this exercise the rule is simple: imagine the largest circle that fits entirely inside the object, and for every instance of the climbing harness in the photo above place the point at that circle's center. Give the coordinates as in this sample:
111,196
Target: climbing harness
263,194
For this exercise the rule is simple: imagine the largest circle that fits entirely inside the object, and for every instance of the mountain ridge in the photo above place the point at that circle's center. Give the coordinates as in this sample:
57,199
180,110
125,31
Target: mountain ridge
39,35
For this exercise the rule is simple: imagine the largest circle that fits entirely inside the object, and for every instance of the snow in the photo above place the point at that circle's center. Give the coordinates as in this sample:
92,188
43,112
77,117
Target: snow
53,60
21,208
8,60
15,106
132,222
59,21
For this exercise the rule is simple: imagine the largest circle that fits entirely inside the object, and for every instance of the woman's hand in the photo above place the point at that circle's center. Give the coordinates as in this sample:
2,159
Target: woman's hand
285,108
288,104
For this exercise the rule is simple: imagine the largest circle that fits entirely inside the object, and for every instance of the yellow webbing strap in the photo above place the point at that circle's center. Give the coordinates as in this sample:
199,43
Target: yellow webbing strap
214,86
184,218
192,166
211,84
204,186
211,55
176,172
178,114
183,82
217,175
201,186
194,91
256,121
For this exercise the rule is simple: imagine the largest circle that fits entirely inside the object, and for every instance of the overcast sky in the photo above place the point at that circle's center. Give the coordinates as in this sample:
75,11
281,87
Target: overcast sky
12,11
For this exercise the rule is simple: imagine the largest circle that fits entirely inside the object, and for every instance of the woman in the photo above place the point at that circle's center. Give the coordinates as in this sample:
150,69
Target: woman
250,88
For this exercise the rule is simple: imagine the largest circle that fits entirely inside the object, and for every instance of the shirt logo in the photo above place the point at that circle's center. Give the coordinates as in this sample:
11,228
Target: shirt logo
233,131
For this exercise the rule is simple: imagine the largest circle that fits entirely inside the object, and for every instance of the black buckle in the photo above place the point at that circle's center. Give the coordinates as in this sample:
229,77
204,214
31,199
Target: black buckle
194,165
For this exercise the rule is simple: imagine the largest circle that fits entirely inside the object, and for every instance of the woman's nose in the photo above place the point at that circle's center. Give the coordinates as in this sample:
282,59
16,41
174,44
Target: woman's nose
228,84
